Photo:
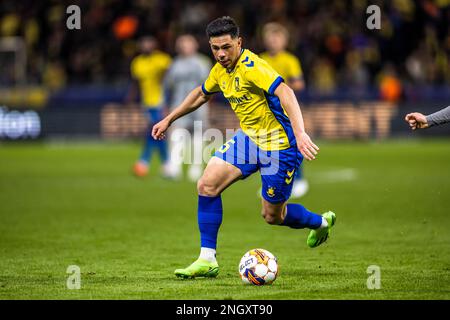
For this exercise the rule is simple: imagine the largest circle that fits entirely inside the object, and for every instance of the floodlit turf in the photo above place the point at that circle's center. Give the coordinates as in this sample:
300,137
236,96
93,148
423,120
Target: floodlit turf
78,204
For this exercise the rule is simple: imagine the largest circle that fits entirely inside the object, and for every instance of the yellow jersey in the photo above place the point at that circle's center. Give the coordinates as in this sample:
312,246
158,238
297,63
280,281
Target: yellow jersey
249,88
149,71
285,63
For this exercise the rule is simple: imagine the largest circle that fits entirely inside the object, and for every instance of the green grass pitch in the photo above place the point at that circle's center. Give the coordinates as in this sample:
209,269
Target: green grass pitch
78,204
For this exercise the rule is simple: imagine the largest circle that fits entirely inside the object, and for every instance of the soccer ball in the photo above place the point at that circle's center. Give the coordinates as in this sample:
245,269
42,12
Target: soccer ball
258,267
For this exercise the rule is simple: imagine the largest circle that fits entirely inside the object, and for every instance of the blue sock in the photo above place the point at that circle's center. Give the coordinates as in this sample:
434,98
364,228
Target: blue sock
298,217
209,220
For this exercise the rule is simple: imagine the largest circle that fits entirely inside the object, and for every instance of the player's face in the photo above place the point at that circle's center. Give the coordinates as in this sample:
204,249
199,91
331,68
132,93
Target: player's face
226,50
275,41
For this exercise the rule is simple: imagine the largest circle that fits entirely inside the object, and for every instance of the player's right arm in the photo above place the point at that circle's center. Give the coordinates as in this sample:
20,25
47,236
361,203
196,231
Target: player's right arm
193,101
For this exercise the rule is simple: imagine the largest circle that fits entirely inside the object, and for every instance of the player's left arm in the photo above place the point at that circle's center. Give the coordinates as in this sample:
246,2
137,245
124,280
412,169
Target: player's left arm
290,104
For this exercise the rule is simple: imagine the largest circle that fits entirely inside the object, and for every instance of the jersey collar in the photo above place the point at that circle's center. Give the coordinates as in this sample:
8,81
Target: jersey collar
237,61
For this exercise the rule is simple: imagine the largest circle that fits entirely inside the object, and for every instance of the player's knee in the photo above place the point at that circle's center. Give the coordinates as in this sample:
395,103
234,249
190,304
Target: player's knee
271,217
206,188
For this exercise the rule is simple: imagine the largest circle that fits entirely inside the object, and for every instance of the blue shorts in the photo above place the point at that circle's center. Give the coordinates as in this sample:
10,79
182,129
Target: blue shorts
277,167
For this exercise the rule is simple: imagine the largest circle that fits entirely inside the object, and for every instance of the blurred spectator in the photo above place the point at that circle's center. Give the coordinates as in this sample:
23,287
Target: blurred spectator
54,76
389,85
125,27
355,74
323,77
414,36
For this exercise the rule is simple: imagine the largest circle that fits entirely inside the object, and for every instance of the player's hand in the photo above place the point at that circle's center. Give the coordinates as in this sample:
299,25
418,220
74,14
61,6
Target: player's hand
307,148
416,120
159,129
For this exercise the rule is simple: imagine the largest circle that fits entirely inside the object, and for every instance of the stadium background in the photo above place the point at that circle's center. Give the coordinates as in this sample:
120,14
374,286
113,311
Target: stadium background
61,104
71,75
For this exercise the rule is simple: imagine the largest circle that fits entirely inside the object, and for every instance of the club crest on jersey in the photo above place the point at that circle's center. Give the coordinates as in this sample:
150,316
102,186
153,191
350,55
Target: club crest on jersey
236,84
271,192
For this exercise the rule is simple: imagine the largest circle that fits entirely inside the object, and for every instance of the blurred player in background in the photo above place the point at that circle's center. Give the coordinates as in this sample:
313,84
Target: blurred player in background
188,70
276,39
417,120
147,72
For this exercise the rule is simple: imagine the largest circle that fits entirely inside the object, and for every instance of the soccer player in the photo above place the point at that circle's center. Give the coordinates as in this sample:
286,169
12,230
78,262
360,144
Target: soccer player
417,120
287,65
272,140
188,70
147,71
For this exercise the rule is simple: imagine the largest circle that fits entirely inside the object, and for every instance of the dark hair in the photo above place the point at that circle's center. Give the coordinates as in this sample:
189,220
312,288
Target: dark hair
222,26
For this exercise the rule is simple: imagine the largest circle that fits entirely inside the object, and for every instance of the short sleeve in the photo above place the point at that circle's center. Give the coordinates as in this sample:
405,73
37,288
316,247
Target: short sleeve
264,76
211,85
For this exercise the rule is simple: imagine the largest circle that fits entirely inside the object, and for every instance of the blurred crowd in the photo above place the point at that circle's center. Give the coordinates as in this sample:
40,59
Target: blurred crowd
331,38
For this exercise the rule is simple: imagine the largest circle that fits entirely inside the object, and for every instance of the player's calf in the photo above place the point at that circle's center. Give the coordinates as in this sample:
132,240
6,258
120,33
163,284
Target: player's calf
298,217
